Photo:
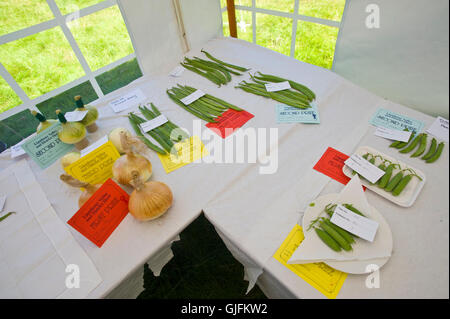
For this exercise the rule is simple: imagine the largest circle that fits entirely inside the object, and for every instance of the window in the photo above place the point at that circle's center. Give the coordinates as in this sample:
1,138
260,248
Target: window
304,29
51,50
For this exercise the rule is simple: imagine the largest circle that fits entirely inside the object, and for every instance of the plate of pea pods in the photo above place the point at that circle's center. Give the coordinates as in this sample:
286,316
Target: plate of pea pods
401,183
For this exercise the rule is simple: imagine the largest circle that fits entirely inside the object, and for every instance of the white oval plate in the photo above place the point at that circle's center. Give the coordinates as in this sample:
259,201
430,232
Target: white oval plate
350,266
408,196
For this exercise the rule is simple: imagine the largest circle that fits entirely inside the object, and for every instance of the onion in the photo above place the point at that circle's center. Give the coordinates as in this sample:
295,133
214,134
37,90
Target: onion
72,132
91,116
149,200
126,164
114,137
44,123
89,189
70,158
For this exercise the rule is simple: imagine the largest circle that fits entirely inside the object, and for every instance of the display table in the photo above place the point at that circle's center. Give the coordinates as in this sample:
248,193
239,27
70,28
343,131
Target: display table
254,212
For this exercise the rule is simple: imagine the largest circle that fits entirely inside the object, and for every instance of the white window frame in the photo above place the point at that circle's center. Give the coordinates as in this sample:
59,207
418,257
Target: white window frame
61,21
294,16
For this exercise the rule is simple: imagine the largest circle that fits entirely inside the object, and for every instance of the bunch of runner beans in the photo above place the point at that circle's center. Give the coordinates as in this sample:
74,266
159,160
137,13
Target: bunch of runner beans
332,235
207,107
165,135
298,96
434,151
216,71
398,182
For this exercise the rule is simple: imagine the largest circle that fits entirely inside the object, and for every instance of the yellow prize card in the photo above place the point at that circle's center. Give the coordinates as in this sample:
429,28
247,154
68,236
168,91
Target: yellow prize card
188,151
96,166
319,275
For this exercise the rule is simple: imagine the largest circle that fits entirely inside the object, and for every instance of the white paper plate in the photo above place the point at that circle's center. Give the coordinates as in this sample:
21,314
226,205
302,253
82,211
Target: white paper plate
350,266
408,196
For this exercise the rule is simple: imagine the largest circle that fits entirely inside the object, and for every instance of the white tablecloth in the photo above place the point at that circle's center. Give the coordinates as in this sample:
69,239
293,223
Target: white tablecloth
252,212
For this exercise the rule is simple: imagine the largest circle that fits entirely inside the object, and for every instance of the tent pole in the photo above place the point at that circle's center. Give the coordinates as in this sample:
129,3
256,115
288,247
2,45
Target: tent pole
232,18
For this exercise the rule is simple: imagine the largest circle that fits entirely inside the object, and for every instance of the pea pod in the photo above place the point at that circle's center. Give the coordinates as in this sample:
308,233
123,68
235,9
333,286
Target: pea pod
353,209
413,144
328,240
335,235
403,144
422,146
394,182
400,186
345,234
383,181
436,155
431,150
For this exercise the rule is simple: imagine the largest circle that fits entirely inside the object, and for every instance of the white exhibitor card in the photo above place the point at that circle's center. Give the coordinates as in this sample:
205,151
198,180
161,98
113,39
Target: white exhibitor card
128,100
177,71
391,134
192,97
361,226
365,168
439,128
75,116
94,146
153,123
273,87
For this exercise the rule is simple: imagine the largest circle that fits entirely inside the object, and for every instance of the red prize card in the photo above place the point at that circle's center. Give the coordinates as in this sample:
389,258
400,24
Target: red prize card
229,121
102,213
331,164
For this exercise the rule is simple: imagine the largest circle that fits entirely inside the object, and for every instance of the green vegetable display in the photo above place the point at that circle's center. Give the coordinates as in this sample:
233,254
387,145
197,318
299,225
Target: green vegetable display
43,122
165,135
216,71
91,116
420,141
327,239
207,107
299,96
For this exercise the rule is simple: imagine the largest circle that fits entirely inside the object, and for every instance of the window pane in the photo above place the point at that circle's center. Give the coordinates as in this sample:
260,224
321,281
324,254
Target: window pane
245,3
225,24
244,25
325,9
68,6
274,32
223,3
41,62
279,5
64,101
102,36
17,127
8,98
20,14
315,43
119,76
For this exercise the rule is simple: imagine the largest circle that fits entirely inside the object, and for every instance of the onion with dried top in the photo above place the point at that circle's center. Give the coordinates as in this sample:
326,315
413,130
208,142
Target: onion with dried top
149,200
124,166
89,189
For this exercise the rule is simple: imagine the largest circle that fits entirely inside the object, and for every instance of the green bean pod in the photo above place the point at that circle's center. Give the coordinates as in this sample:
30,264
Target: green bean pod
394,182
431,150
327,239
335,235
400,186
236,67
345,234
422,146
413,144
6,216
436,155
383,181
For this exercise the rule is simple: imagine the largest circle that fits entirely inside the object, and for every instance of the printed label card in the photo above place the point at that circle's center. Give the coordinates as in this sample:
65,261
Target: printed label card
128,100
439,128
229,122
389,119
96,166
102,213
290,114
45,148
